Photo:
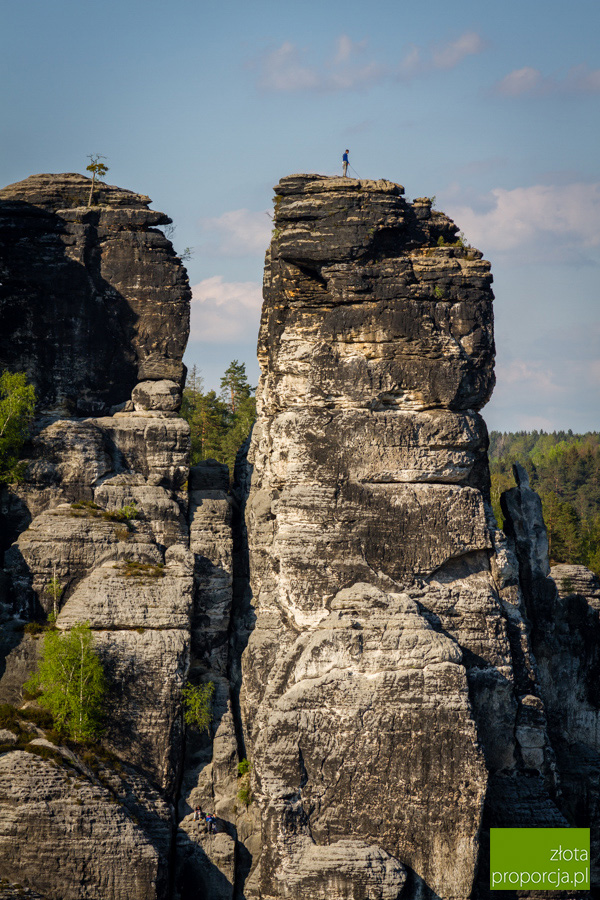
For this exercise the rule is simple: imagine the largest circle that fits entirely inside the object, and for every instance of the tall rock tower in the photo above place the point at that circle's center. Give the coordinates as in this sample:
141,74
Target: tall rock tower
95,309
387,665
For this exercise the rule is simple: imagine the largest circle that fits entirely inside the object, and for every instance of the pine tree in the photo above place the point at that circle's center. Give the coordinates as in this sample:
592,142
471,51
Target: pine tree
234,385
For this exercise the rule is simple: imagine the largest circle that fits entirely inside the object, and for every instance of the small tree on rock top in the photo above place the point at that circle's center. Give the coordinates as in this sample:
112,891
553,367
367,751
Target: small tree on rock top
97,169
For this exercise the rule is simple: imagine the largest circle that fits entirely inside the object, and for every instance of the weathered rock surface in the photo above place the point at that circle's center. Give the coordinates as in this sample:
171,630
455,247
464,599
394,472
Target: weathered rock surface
97,305
93,299
72,835
400,675
208,862
571,579
383,686
565,636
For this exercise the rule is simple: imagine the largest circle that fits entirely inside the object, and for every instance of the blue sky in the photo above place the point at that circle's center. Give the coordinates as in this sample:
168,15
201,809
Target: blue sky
491,107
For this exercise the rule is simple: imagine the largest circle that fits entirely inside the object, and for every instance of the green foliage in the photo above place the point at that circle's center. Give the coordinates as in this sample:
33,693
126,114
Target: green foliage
243,767
234,385
460,241
564,468
438,292
197,702
71,682
17,403
97,169
219,424
244,795
54,590
126,514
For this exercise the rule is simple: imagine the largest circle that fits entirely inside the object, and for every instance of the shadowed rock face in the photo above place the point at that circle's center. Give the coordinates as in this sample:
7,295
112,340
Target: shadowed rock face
92,299
388,666
563,608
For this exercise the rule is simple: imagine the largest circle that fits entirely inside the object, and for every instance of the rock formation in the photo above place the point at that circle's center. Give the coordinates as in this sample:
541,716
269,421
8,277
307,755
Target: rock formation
389,696
97,305
563,607
394,673
93,299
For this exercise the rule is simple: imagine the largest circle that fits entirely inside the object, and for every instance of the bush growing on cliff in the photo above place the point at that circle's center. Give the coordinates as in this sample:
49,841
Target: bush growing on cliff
70,682
197,703
17,403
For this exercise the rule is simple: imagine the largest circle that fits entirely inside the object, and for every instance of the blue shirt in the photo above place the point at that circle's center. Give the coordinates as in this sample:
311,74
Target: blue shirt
345,157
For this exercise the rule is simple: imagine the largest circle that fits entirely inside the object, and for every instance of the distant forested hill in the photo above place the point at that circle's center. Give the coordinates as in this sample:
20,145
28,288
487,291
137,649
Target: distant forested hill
564,468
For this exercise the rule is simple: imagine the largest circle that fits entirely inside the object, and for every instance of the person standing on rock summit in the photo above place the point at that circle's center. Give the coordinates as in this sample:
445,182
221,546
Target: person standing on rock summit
345,162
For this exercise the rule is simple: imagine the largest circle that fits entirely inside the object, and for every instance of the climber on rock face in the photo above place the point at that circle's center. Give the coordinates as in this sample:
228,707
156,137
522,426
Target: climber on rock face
345,162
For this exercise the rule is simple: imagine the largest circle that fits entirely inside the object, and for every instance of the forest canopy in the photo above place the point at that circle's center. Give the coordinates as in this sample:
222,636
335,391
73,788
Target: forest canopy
219,423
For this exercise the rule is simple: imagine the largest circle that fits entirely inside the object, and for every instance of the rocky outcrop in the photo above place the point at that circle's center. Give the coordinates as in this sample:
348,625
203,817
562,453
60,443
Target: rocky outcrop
75,834
388,689
393,675
98,305
573,579
565,636
93,299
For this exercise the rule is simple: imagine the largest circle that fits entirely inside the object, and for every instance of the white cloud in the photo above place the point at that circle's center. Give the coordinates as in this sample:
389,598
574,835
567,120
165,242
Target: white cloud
225,311
449,55
346,48
560,391
412,63
578,80
537,223
520,81
526,378
287,68
282,70
238,232
582,79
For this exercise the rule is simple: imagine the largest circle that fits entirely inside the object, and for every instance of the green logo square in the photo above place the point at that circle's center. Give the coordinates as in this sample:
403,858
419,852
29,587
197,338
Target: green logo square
550,859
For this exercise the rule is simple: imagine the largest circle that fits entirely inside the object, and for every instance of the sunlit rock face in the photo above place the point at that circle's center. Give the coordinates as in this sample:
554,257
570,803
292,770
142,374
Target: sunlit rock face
387,655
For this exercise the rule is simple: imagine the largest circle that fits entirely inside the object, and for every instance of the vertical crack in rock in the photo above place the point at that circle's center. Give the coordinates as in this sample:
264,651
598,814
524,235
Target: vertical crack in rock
385,620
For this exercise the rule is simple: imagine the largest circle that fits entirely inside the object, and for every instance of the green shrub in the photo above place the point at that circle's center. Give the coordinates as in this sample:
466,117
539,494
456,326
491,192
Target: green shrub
133,569
243,767
244,795
197,702
40,717
17,404
9,717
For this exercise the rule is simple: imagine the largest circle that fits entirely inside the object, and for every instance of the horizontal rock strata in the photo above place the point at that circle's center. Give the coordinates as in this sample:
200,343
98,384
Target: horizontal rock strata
93,298
388,683
98,308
